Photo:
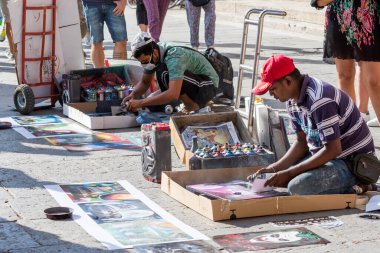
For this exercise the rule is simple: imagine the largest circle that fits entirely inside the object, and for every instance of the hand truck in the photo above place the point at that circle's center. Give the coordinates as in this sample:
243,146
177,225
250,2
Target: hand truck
254,70
24,98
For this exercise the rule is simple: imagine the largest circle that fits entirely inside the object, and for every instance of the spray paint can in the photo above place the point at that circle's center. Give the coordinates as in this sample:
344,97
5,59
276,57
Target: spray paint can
169,109
156,151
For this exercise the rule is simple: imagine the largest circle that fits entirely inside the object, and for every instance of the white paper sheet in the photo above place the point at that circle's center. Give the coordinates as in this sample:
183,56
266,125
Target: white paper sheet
373,204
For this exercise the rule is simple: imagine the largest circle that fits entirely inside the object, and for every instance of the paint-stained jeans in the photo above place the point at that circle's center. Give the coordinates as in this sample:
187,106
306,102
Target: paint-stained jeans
193,18
332,178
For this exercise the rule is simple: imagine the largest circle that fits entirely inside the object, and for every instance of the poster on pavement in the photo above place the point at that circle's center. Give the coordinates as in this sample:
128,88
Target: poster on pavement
120,216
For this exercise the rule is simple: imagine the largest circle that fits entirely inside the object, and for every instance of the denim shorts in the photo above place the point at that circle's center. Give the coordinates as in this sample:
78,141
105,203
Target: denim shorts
97,15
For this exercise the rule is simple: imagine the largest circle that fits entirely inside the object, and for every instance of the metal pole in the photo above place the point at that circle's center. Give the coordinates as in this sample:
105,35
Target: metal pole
242,67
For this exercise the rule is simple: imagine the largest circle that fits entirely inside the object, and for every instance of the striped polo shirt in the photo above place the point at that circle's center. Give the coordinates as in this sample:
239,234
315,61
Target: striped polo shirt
325,113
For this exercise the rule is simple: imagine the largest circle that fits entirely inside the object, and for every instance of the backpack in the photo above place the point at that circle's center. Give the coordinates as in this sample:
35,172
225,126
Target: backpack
223,66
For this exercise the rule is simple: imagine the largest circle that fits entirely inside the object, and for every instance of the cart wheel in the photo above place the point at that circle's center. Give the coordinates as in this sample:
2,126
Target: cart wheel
23,98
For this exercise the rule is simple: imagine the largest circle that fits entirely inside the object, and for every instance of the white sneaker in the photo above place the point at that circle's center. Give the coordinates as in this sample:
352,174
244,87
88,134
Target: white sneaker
365,116
373,123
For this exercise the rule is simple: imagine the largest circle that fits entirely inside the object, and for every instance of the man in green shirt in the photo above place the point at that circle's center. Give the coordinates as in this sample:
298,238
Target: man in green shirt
182,74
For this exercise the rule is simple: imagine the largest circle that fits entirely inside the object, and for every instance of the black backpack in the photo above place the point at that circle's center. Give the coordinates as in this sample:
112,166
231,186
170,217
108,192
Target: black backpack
223,66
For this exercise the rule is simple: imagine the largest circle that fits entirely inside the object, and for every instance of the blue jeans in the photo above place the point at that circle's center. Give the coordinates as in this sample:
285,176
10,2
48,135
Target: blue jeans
96,15
332,178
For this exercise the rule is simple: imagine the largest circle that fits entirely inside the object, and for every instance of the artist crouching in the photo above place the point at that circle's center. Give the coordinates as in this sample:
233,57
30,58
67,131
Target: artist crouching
334,150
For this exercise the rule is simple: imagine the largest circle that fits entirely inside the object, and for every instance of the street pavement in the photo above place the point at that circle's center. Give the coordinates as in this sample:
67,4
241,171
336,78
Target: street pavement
27,165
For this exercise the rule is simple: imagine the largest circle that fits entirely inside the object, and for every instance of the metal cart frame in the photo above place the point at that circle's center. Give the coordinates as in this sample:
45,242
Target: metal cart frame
254,69
23,97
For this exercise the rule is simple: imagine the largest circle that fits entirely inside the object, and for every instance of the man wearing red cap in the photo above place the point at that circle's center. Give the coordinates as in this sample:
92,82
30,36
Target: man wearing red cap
329,130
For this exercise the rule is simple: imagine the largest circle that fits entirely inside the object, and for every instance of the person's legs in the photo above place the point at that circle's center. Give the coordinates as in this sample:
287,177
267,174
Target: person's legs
193,17
332,178
118,30
210,19
82,19
153,18
95,24
346,76
363,96
141,16
199,89
162,10
8,27
371,74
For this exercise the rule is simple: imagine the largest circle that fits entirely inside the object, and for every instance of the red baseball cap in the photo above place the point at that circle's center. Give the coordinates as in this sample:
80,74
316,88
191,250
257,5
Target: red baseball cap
276,67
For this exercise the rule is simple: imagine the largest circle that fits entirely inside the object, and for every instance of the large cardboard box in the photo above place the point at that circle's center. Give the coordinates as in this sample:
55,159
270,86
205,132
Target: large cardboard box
174,184
178,123
79,112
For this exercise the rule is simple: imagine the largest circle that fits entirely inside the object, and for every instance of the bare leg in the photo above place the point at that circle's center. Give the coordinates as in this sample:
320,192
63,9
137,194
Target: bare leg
371,72
190,105
363,94
120,50
143,28
97,55
8,31
346,76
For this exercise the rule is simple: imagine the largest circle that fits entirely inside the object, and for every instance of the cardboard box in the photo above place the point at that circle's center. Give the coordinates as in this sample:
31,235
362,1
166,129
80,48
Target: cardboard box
178,123
78,112
174,184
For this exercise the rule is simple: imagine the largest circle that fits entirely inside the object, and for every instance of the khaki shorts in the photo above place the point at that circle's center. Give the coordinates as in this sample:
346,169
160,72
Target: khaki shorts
5,11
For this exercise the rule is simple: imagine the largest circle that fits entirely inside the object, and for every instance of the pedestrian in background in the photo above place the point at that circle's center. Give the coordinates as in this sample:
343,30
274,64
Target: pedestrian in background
156,10
99,12
141,16
193,18
346,67
10,53
353,34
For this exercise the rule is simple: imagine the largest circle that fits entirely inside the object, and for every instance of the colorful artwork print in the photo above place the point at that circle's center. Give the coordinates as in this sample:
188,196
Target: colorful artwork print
265,240
120,216
145,232
83,139
210,135
37,120
116,211
41,131
233,190
178,247
93,191
94,142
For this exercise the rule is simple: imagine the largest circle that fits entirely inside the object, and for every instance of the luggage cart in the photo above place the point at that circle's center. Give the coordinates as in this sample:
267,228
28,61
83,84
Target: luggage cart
254,69
24,98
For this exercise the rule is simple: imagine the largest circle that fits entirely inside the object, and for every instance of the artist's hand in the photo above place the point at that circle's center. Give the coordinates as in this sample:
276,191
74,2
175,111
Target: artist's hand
126,99
120,7
279,179
134,104
268,169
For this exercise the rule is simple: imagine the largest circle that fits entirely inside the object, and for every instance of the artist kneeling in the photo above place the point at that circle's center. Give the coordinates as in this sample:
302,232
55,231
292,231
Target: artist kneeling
329,131
182,74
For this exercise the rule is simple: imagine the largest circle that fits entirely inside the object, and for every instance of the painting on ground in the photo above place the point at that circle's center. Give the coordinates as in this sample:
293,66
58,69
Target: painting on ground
265,240
120,216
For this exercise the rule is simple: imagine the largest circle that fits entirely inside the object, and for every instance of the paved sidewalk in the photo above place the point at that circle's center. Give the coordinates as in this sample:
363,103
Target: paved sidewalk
27,165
